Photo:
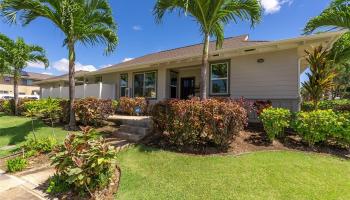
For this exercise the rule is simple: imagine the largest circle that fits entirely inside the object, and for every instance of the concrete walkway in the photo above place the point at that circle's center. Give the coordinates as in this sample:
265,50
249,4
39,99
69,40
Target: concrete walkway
23,186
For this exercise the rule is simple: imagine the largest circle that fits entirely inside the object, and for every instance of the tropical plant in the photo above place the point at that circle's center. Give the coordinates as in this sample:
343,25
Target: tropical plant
320,79
16,164
89,22
32,113
336,16
86,162
52,110
15,55
212,16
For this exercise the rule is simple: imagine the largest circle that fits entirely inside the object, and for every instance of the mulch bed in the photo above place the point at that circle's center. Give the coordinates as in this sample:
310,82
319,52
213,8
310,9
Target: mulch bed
252,139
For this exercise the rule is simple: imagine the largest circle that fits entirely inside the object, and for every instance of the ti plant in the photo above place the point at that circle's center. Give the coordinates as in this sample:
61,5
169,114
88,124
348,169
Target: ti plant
33,113
52,110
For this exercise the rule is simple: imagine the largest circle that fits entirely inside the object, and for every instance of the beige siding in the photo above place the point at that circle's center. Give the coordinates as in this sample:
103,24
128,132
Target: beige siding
276,78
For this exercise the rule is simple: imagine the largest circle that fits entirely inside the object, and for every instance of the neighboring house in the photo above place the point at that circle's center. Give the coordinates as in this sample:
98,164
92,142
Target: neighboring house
25,84
255,70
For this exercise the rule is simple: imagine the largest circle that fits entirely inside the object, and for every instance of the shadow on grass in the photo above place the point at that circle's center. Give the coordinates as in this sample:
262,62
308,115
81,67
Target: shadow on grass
18,133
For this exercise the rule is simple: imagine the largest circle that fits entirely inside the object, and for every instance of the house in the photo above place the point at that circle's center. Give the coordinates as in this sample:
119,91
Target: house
25,84
255,70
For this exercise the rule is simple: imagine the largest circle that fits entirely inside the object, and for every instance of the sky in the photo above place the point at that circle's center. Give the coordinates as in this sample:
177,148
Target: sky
139,34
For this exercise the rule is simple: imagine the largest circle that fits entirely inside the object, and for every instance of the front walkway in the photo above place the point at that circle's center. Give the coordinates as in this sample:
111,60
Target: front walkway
23,186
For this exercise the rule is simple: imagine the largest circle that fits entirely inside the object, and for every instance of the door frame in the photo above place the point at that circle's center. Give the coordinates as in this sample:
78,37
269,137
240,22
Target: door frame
181,85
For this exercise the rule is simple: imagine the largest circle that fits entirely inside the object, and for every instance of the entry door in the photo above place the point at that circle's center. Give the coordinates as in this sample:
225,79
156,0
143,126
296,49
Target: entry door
187,87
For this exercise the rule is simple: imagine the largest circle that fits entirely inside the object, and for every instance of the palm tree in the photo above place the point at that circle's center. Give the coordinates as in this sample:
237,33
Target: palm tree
89,22
16,55
336,16
321,76
211,16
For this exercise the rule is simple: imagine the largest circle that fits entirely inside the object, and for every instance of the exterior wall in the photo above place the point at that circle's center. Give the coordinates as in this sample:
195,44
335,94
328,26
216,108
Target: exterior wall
276,78
27,90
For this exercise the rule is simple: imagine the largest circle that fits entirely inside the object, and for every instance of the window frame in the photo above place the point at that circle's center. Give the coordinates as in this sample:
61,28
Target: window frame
144,85
120,85
211,79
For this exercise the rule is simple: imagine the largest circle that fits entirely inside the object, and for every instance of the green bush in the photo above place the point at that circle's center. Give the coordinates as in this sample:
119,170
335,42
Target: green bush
275,120
42,145
342,133
128,106
199,123
340,105
2,101
85,162
316,126
58,185
16,164
92,111
6,107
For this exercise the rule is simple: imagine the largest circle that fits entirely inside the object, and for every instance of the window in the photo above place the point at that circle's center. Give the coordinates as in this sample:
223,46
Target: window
123,85
22,93
219,78
4,92
173,85
145,85
29,82
98,79
7,80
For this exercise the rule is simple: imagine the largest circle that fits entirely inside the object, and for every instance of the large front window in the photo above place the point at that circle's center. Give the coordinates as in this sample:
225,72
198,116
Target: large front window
145,85
219,78
123,85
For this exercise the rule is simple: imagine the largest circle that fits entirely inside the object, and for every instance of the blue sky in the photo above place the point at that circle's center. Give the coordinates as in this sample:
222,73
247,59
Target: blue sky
139,35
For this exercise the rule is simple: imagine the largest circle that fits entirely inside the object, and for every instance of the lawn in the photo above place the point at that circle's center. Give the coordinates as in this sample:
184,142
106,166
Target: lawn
155,174
13,131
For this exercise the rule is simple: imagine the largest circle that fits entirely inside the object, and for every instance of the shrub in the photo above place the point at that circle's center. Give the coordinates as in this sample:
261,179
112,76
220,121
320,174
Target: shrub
92,111
340,105
6,107
129,106
86,162
16,164
10,106
42,145
199,123
275,120
57,185
342,133
64,116
316,126
260,105
2,101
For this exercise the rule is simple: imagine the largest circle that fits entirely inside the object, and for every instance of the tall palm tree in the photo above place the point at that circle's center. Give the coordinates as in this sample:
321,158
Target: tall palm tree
89,22
321,76
336,16
211,16
14,56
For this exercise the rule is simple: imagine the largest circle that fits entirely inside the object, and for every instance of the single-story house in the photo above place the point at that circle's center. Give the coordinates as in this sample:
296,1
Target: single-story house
255,70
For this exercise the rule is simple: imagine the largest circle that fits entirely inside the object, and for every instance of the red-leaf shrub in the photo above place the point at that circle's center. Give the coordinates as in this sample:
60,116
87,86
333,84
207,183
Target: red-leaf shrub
199,123
92,111
1,105
260,105
128,106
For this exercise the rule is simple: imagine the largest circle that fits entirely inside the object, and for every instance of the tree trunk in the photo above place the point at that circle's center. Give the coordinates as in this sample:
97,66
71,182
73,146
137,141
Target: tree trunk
72,121
15,91
204,68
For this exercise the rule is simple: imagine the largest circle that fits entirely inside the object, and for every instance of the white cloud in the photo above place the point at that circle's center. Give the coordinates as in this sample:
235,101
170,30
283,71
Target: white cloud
127,59
273,6
104,66
48,73
137,28
62,66
36,65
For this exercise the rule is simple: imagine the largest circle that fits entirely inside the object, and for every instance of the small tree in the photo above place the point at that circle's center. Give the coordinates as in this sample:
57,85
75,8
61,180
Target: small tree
321,76
33,113
51,110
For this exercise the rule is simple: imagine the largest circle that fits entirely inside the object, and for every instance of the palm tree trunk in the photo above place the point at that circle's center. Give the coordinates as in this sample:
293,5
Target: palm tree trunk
204,68
15,92
72,121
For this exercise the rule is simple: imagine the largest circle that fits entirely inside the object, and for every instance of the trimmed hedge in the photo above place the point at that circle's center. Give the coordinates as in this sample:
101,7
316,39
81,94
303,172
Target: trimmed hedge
341,105
129,106
199,123
92,111
275,120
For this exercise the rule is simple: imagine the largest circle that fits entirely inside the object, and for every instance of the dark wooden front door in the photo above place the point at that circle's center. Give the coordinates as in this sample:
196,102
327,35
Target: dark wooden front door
187,87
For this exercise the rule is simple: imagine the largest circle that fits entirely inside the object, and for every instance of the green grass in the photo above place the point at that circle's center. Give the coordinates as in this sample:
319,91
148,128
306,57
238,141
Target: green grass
14,130
156,174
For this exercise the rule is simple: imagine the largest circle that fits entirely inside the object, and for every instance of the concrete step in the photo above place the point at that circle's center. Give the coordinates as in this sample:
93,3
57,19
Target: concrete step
129,136
135,129
141,121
